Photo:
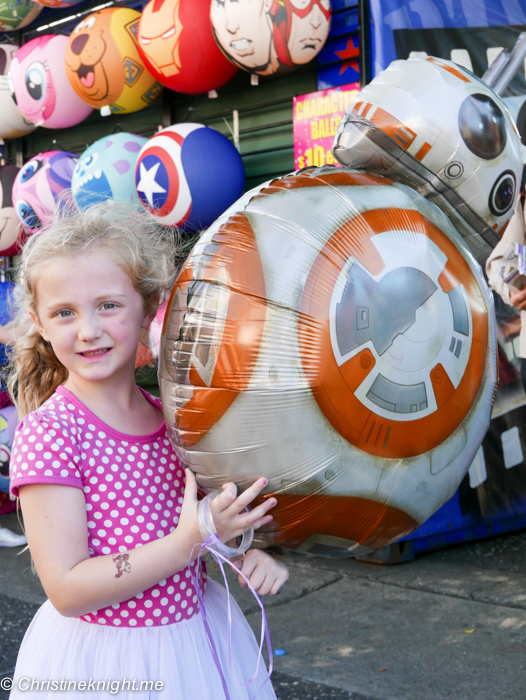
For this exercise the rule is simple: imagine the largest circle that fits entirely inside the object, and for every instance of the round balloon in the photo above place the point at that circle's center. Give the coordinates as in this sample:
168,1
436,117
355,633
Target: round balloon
433,125
333,333
270,36
12,121
105,171
11,233
187,175
58,3
104,66
17,15
39,86
8,416
42,185
177,45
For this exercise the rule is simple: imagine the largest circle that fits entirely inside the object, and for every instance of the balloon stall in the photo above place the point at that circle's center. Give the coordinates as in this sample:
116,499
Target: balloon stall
104,66
39,86
12,122
187,175
105,171
176,43
333,332
275,37
41,185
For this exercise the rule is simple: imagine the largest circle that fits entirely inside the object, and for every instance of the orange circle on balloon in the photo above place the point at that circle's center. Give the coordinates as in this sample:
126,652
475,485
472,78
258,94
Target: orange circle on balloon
388,431
223,308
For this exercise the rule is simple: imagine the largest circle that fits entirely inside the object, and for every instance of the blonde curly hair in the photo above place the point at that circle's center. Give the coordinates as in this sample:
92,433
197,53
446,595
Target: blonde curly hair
141,248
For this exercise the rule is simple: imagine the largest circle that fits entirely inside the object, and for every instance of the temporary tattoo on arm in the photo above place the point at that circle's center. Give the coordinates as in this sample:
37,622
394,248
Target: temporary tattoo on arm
122,564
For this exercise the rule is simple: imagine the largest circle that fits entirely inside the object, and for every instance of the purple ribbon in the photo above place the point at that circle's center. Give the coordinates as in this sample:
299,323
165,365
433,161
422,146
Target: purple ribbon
209,544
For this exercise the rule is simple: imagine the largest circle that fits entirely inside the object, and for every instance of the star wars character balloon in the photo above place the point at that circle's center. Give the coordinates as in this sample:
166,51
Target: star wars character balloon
270,36
106,170
17,14
187,175
432,125
11,233
12,121
41,186
39,86
104,66
177,45
333,333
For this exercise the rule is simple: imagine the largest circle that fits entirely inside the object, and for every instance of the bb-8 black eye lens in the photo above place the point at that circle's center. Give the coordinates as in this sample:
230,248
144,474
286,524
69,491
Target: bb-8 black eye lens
502,193
482,126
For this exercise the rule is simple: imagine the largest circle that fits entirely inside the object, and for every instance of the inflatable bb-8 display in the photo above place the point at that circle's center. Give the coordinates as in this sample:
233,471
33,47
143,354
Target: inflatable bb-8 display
344,351
333,332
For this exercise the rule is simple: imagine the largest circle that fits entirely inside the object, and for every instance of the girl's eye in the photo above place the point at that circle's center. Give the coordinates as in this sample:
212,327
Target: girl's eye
108,305
64,313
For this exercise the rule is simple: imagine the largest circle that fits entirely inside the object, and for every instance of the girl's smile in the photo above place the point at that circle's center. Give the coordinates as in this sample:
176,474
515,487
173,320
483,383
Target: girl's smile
90,312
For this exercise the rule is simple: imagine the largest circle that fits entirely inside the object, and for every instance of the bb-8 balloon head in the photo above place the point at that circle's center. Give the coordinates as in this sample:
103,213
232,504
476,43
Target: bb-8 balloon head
332,332
433,125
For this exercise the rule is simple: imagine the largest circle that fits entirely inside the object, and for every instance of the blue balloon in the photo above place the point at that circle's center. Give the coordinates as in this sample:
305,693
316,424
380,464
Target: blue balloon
6,290
105,171
187,175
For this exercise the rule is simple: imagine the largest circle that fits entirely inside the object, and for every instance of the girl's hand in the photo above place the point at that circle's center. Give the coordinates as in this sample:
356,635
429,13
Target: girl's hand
518,299
227,510
187,526
265,573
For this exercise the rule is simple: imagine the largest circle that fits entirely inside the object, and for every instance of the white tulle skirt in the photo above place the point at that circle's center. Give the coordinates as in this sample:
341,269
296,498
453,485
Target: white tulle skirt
178,656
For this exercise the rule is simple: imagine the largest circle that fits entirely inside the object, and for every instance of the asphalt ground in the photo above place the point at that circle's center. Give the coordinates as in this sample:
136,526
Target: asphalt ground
450,625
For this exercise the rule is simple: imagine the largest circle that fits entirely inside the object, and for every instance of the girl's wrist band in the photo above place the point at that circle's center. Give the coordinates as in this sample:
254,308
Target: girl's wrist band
208,530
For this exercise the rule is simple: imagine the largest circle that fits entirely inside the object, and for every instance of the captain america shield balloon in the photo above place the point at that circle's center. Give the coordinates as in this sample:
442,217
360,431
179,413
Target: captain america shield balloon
333,333
187,175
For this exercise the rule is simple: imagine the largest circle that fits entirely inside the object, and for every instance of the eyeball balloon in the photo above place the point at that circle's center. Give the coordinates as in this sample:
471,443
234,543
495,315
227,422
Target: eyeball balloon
12,121
187,175
270,36
39,86
41,186
177,45
11,233
333,333
17,14
104,66
431,124
106,171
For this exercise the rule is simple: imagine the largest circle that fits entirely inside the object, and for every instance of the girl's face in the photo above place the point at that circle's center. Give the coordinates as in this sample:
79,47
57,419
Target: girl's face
88,309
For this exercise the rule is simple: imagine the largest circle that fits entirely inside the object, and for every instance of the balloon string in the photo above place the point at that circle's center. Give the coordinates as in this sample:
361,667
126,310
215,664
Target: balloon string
209,544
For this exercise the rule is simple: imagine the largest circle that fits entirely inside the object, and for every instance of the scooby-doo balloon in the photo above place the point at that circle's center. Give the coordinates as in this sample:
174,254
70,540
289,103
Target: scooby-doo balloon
267,36
177,45
104,66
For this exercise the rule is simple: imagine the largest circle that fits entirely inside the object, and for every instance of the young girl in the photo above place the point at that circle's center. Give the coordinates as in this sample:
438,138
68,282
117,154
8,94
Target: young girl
110,516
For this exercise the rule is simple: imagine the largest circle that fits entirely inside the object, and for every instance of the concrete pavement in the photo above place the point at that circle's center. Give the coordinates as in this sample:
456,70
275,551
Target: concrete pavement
449,625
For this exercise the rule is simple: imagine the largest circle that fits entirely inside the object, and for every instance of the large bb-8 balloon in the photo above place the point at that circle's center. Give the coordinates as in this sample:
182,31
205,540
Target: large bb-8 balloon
333,333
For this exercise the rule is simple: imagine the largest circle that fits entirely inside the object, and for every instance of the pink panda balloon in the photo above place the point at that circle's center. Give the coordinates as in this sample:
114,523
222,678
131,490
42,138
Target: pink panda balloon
41,186
39,85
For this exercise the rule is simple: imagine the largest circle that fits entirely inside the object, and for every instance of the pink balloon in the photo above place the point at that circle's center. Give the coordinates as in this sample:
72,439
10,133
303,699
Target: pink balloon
39,85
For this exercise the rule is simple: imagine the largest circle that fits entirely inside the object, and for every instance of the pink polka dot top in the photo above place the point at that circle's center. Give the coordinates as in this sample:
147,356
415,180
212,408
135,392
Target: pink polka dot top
133,486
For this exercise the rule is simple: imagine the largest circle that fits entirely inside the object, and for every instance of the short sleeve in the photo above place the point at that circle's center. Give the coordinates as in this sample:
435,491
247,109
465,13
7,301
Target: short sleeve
44,452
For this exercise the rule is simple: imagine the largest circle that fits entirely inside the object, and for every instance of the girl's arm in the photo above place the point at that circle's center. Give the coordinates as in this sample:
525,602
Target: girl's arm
56,529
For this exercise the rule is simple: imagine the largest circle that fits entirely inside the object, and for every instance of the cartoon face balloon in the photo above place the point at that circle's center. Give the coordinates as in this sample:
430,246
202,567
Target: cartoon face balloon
104,66
12,122
105,171
431,124
58,3
39,86
17,14
10,230
333,333
169,33
187,175
269,36
39,188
